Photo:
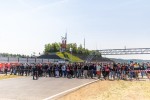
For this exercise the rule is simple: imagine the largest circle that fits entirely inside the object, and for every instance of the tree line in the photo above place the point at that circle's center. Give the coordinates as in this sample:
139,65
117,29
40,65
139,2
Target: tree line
12,55
55,47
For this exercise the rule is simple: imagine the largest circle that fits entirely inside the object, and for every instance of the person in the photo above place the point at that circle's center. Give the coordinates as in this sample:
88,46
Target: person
131,71
57,71
63,68
60,70
71,71
107,70
25,69
94,70
123,72
147,68
6,70
103,71
49,70
44,70
22,69
112,72
91,68
126,71
35,72
85,71
118,71
98,71
11,69
68,71
142,69
79,71
75,70
136,70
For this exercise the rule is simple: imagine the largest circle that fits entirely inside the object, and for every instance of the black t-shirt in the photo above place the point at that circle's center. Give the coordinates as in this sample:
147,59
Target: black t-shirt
79,67
91,67
85,67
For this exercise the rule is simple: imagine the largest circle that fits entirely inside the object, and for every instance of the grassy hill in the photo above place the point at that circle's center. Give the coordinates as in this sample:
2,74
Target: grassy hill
68,56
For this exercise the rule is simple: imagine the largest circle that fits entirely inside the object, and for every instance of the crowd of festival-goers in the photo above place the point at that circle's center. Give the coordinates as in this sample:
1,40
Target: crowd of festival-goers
83,70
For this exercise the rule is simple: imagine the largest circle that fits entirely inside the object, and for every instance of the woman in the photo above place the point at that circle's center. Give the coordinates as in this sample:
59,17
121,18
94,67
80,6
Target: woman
107,70
98,71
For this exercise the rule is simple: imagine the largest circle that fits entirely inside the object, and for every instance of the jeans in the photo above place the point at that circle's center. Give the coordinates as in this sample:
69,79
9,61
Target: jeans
112,74
63,73
142,73
79,73
131,74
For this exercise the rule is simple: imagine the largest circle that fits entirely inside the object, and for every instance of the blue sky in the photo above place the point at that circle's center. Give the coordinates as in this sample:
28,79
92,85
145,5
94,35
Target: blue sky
27,25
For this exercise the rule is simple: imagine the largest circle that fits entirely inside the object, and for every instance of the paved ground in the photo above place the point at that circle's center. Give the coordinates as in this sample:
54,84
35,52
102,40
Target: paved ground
28,89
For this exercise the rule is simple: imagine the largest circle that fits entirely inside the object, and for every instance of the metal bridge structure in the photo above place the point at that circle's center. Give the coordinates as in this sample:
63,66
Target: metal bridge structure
128,51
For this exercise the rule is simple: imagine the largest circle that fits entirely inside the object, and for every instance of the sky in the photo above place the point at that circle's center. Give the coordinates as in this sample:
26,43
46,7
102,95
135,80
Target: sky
27,25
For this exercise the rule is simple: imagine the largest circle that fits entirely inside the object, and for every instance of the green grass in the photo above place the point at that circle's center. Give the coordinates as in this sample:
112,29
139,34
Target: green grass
2,76
69,57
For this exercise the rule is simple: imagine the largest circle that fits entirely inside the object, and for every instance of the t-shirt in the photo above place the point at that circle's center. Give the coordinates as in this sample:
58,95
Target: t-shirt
98,67
63,68
85,67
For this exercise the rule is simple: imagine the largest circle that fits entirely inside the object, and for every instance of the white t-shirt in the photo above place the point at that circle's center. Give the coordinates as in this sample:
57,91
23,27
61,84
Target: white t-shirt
98,68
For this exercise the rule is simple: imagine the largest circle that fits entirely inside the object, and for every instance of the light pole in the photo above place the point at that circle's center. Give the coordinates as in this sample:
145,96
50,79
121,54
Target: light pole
71,53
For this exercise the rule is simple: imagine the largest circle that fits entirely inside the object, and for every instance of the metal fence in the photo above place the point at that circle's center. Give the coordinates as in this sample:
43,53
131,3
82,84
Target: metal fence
27,60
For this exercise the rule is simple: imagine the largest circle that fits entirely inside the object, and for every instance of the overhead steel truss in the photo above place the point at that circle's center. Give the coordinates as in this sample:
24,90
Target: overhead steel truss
128,51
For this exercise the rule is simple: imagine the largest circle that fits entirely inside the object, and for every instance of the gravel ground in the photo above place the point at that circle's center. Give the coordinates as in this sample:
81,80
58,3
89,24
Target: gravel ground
112,90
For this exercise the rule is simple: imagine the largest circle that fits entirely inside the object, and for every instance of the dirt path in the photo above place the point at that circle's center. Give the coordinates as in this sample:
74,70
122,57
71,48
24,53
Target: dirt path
112,90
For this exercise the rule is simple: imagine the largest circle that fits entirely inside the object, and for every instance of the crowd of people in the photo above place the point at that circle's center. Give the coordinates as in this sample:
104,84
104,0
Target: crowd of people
102,71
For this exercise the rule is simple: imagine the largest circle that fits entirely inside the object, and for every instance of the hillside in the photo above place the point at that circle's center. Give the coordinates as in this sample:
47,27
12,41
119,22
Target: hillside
80,57
68,56
95,58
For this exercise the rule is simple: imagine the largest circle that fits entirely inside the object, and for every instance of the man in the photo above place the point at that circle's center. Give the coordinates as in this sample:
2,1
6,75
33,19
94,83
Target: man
57,71
79,70
85,71
131,71
91,68
6,70
118,71
63,68
11,69
35,72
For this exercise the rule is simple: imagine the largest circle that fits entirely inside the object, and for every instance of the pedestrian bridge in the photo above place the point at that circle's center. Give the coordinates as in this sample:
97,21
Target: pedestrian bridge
125,51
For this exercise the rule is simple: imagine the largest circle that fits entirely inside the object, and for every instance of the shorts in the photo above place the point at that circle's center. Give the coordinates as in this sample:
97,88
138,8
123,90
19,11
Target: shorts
98,72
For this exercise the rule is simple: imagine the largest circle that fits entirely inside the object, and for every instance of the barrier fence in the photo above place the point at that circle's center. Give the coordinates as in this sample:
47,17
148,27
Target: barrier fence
27,60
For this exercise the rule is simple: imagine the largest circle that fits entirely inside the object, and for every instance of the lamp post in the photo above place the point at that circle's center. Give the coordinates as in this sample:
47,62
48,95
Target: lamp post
71,53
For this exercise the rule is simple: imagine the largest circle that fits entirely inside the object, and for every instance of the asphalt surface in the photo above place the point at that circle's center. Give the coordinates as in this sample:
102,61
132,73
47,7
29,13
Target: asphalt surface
28,89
